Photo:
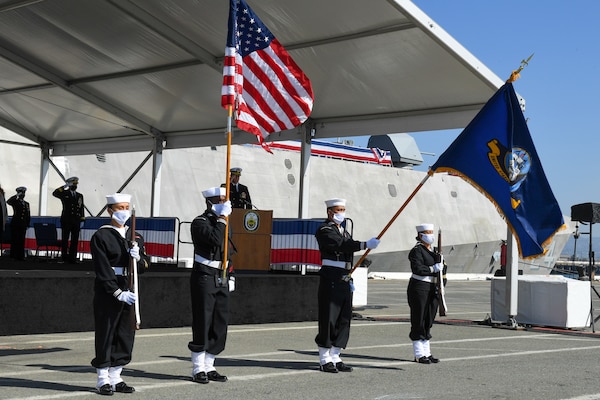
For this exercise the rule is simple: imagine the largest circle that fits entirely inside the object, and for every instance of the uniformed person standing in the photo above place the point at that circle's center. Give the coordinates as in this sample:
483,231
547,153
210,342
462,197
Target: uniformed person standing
3,212
112,250
210,293
335,294
422,292
71,219
20,221
238,193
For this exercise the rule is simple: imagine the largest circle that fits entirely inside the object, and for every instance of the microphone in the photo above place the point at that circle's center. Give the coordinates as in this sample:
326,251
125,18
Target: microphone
252,206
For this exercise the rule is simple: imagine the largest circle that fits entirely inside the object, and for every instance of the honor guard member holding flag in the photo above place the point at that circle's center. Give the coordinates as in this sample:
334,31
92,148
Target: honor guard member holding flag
335,294
210,292
112,250
422,295
19,223
238,193
72,217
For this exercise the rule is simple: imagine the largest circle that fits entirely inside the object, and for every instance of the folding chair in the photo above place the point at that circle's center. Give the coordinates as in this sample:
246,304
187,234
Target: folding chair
46,237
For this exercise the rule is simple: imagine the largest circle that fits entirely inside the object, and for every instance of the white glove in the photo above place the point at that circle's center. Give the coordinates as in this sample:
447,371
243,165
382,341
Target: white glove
134,252
437,267
66,187
231,283
127,297
222,209
373,243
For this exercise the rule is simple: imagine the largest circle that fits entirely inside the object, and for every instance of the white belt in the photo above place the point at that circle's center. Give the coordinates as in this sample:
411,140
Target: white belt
120,270
337,264
205,261
422,278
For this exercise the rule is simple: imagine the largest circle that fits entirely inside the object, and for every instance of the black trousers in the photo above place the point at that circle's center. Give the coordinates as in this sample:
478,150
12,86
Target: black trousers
17,245
71,229
210,313
335,308
114,331
423,303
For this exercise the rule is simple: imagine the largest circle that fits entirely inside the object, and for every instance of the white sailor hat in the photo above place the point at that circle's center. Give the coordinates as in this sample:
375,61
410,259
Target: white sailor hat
21,189
73,180
424,227
335,202
236,171
118,198
213,192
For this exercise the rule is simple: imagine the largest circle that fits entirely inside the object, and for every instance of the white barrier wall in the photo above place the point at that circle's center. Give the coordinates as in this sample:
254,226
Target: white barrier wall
545,301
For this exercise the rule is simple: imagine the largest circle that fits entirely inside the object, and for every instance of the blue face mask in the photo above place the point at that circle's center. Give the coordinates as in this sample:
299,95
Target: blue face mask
338,218
427,238
121,216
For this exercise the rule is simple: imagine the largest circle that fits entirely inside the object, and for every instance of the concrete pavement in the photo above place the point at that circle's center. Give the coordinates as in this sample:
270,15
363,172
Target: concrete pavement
279,361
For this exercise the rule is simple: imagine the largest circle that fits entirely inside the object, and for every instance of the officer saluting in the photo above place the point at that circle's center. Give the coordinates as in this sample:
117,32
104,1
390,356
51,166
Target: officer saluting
19,223
72,217
335,294
238,193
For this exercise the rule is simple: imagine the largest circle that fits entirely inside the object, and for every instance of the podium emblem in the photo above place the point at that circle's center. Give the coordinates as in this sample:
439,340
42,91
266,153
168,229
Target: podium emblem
251,221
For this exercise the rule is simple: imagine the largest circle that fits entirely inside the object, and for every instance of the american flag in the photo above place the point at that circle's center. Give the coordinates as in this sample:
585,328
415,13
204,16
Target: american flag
268,91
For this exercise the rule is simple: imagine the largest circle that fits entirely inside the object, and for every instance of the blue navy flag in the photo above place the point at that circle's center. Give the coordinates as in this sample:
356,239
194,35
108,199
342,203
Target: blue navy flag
495,153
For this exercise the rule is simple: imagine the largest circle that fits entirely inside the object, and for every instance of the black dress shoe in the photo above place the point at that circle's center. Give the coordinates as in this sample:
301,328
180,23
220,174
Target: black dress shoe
215,376
105,390
200,377
423,360
433,359
122,387
343,367
329,367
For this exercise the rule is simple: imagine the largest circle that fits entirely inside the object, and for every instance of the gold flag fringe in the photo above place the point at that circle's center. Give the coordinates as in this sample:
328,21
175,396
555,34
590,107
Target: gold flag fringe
501,213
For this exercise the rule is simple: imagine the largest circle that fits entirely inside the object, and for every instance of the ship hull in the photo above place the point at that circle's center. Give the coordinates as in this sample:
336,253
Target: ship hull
472,228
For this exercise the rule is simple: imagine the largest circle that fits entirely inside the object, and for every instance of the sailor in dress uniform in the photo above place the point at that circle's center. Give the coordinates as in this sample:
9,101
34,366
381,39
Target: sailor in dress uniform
210,293
335,294
422,292
112,251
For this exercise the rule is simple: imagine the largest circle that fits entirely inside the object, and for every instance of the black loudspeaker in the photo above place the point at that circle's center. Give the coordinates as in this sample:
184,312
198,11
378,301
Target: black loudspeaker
586,212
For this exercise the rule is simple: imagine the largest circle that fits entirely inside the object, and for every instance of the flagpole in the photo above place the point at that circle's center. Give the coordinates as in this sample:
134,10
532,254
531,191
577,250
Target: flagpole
516,74
227,181
391,221
512,254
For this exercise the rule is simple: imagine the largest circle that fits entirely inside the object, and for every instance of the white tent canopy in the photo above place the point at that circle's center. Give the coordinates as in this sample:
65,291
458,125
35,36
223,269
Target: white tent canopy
94,76
102,76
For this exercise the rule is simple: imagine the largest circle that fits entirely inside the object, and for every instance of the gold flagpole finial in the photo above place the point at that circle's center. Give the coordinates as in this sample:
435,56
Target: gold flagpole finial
516,73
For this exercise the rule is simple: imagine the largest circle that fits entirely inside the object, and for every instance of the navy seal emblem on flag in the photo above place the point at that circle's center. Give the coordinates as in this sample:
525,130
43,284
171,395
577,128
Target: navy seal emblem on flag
513,166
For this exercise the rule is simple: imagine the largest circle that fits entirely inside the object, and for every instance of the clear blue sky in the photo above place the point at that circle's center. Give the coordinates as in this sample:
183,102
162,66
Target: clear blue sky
561,85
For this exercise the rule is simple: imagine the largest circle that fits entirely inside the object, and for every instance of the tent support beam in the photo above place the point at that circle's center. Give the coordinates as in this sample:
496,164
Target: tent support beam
157,161
44,169
305,150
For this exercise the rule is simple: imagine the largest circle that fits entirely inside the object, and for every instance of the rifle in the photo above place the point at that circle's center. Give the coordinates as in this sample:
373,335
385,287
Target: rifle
133,278
440,280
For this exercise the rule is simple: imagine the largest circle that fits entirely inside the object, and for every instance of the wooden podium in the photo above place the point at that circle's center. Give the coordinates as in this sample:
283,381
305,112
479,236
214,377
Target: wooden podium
251,234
